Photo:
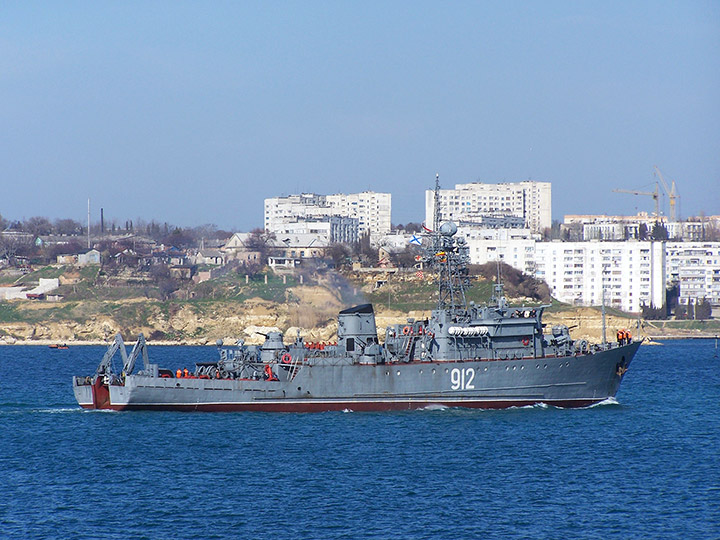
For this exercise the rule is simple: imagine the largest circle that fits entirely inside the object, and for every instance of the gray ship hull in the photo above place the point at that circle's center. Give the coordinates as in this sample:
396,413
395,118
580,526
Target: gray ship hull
335,384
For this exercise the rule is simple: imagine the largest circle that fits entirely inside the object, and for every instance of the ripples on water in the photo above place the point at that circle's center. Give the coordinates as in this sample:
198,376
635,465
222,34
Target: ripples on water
642,466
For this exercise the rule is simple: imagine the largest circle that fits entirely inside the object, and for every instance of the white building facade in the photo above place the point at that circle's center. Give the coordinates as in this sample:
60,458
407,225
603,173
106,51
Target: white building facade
695,267
528,200
629,274
372,210
605,227
331,229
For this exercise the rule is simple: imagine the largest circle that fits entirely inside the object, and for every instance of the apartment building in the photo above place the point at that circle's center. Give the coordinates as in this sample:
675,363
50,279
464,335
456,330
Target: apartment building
629,274
528,200
695,268
330,229
371,210
606,227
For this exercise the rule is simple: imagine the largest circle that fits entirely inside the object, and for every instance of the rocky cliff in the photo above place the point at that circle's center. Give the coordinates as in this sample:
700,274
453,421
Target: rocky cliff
311,313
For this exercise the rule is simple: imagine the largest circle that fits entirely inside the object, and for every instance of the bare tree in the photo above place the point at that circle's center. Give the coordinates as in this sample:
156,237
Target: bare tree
68,227
340,254
260,241
38,226
9,246
179,238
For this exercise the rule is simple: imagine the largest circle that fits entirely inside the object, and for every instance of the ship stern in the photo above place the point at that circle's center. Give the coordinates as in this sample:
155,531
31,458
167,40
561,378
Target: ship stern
83,392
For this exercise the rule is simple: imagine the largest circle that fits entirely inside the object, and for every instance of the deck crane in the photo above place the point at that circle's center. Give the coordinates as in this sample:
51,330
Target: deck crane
672,195
654,194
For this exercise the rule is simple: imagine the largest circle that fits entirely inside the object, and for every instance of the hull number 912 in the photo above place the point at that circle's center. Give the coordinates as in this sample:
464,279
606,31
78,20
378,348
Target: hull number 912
462,379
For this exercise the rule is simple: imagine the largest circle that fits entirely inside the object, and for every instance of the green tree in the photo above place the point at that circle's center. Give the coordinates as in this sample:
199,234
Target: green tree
703,309
659,232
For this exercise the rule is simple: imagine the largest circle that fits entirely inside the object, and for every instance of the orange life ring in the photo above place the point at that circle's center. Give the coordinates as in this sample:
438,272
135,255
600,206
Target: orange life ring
286,358
407,330
526,341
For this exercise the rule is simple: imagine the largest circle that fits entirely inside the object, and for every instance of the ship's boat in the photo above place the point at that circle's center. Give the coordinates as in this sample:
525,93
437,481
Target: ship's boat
463,355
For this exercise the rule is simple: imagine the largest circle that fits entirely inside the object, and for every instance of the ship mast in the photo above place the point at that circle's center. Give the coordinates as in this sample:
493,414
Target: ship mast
436,212
449,258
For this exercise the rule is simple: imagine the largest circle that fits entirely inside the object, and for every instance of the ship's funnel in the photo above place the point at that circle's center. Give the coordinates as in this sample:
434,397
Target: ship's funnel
356,328
270,349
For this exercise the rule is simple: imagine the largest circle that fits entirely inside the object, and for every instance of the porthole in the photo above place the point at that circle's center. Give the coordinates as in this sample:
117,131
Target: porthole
421,371
387,373
545,366
522,367
507,368
398,373
537,366
485,369
567,364
446,370
514,368
433,371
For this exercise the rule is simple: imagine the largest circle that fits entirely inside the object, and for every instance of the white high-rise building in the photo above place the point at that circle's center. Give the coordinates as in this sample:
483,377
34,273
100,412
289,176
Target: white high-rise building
631,274
371,209
528,200
695,267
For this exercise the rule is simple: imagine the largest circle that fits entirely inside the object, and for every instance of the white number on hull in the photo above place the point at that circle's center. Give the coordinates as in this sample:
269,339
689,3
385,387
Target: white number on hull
462,379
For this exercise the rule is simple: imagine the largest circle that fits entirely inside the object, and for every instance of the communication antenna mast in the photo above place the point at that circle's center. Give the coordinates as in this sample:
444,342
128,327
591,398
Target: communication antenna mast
449,257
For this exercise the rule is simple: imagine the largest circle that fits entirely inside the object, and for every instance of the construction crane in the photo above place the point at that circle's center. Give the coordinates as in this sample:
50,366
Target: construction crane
654,194
672,195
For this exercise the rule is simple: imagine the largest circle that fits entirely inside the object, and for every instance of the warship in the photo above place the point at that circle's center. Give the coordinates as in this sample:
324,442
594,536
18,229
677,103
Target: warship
462,355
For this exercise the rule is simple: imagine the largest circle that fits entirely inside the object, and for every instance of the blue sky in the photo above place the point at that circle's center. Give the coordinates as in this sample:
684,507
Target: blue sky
194,112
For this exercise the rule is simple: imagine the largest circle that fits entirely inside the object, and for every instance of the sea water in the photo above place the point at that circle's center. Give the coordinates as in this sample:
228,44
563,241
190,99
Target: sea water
646,465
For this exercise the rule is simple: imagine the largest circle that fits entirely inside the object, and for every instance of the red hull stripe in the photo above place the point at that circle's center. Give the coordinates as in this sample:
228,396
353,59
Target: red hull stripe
323,406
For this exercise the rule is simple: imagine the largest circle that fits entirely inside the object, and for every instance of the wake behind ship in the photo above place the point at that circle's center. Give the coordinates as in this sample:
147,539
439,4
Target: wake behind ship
493,356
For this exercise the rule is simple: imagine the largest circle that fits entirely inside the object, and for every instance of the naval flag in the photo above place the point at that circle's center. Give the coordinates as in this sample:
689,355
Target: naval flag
416,240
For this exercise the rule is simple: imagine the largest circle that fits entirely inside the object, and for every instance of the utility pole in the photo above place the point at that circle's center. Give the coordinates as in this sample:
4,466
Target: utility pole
88,222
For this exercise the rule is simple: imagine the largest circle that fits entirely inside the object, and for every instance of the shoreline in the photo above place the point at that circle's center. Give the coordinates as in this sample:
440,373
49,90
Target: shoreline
199,343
